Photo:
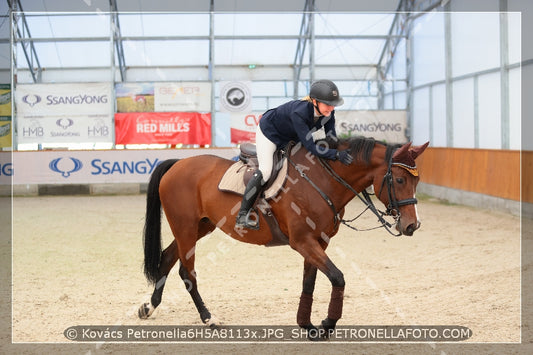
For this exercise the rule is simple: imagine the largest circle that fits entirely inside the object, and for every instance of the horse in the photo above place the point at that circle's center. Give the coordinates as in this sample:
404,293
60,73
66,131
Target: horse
309,209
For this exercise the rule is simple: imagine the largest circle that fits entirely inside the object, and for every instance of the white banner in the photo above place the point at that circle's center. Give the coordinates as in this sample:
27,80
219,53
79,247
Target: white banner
96,166
65,129
182,97
63,99
388,126
235,96
243,126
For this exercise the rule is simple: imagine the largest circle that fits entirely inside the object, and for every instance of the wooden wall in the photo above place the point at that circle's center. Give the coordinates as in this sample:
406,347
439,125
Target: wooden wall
486,171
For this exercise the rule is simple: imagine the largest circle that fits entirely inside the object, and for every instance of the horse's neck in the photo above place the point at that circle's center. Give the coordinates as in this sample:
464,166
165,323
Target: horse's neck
360,174
359,178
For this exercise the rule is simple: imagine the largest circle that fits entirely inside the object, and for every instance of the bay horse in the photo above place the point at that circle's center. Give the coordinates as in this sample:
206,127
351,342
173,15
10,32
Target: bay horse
308,210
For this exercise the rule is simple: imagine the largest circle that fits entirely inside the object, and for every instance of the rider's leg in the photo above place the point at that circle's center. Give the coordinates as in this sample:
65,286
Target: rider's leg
265,154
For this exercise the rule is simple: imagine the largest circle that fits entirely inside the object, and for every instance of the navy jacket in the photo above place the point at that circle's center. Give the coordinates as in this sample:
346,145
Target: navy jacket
294,121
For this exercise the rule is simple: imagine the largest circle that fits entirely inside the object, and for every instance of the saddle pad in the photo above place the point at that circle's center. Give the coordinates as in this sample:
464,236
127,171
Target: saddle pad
232,181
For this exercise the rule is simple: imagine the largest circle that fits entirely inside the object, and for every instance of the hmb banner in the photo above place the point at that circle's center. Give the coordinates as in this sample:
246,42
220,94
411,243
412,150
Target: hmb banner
163,128
65,113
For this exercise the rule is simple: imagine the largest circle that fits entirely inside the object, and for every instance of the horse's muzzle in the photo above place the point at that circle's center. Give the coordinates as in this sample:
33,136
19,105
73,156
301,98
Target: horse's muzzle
410,229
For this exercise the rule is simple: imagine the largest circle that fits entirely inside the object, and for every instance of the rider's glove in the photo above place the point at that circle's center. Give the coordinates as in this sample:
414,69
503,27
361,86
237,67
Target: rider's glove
344,157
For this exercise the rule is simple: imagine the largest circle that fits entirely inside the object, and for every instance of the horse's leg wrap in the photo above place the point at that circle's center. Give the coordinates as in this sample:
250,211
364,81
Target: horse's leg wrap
335,303
303,317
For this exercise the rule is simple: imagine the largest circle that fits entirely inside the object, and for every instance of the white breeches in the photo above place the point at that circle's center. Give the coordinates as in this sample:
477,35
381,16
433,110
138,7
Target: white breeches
265,153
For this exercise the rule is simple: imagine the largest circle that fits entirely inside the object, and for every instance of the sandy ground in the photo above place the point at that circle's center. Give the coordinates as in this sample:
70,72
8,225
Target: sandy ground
77,260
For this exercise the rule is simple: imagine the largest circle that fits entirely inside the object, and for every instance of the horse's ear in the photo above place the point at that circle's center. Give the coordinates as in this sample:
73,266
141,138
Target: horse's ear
417,150
402,152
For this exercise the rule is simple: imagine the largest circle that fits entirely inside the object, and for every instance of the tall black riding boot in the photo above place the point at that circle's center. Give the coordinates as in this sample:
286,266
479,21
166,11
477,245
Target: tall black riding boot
253,189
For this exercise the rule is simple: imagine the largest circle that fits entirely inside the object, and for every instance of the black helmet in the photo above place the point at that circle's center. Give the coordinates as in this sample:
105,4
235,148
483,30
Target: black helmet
326,91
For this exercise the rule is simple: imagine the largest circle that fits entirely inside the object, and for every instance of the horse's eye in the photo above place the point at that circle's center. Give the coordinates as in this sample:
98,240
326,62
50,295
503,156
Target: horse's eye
400,180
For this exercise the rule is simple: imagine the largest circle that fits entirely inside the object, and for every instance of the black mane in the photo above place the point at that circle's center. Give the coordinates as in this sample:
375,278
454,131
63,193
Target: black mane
361,148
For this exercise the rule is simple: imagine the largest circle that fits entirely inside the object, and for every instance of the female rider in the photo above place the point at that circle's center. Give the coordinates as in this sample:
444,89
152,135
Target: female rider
293,121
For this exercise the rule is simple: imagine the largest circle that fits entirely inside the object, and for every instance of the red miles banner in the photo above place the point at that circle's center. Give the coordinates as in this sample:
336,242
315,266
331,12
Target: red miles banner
163,128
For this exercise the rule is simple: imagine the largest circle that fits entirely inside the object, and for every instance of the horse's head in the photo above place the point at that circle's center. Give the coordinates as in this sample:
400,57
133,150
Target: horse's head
396,188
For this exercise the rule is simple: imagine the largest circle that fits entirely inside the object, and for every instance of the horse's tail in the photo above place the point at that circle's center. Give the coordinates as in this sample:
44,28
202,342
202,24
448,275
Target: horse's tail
152,223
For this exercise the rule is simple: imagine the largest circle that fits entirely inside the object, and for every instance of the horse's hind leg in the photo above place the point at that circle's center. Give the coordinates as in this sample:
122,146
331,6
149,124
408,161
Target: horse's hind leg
168,260
188,275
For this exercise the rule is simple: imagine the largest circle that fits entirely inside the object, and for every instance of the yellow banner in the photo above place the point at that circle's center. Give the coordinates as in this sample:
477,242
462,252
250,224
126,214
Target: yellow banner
5,132
5,102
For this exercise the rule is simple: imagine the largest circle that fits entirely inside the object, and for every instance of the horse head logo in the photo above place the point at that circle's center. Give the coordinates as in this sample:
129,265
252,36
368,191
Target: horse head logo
31,99
54,166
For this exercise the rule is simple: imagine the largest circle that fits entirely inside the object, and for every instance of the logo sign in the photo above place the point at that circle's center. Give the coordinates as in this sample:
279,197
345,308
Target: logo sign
182,97
64,122
63,99
388,125
65,167
236,96
31,99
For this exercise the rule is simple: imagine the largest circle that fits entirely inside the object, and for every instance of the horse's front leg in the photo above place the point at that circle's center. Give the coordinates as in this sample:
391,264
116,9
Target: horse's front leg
303,317
336,278
316,258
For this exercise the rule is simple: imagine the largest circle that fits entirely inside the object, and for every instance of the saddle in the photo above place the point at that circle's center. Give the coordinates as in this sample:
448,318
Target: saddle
238,175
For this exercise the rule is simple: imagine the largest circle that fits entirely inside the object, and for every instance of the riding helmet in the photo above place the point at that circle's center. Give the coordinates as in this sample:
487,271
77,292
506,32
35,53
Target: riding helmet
327,92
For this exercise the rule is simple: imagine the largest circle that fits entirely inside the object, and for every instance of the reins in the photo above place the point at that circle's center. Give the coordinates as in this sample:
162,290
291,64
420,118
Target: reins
364,196
366,199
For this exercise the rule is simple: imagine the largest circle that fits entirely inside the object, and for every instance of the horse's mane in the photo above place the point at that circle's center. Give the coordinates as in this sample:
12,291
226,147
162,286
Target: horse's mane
361,148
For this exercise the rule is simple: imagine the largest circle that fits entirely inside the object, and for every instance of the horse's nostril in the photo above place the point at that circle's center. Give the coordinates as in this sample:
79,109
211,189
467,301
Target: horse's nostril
411,229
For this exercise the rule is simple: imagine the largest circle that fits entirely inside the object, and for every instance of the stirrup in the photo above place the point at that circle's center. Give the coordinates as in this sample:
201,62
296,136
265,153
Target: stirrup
244,220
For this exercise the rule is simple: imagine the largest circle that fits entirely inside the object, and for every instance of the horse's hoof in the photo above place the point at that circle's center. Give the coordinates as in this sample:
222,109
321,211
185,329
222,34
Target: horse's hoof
212,323
145,310
313,333
328,327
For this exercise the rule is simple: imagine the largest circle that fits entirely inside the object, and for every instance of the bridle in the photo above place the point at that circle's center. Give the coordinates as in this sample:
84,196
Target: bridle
387,182
394,205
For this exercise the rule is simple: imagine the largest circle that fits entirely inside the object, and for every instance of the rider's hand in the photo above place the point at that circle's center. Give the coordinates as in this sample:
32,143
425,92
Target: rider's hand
344,157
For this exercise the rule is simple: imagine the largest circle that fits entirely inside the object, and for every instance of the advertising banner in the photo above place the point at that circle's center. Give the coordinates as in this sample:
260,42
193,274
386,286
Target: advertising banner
63,99
64,113
182,97
5,100
163,128
243,126
388,126
5,116
5,132
135,97
65,129
92,167
236,96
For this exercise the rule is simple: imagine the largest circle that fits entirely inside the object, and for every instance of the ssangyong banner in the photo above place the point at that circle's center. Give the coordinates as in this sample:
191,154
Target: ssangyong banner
182,97
163,128
93,167
63,99
243,126
64,113
389,126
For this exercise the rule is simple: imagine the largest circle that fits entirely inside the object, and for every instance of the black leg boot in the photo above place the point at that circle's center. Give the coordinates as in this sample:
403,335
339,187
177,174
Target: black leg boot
253,189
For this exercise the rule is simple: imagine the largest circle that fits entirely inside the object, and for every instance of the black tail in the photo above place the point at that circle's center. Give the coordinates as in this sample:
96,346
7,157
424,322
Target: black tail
152,223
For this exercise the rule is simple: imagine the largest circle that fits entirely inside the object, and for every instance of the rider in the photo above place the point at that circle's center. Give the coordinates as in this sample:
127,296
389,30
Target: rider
293,121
